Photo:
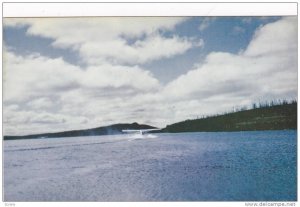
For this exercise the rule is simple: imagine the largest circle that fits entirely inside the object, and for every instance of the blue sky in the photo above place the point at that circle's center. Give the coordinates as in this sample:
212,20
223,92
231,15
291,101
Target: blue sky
23,44
88,72
220,34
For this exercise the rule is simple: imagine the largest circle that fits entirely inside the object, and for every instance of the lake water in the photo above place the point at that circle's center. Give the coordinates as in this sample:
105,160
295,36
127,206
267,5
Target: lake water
225,166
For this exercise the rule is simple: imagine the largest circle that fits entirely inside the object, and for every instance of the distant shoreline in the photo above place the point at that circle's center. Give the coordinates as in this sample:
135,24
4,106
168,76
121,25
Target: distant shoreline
270,117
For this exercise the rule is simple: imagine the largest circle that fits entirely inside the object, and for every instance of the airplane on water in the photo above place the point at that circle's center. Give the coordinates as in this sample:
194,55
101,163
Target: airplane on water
139,131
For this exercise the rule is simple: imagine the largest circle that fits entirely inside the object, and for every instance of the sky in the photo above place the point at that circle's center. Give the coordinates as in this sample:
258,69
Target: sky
76,73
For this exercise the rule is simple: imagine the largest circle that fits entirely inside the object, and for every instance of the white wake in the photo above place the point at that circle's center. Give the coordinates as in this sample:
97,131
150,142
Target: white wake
141,136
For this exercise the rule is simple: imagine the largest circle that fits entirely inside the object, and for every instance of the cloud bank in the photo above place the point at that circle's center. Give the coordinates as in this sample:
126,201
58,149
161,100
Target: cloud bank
41,94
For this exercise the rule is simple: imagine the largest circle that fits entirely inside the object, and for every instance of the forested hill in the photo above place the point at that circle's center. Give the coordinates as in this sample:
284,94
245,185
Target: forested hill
105,130
276,117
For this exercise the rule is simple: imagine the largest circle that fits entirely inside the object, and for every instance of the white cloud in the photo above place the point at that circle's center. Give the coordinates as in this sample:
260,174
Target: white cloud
43,94
276,37
41,103
31,76
38,91
266,70
153,47
30,121
105,39
108,76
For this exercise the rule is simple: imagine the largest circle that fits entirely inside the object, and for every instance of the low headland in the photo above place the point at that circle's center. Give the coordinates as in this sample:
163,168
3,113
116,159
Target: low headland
105,130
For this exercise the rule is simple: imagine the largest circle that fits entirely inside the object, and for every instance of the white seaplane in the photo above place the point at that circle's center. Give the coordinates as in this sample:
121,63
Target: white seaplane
139,131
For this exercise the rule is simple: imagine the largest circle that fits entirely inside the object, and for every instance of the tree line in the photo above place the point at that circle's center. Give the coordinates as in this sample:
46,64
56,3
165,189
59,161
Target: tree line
255,105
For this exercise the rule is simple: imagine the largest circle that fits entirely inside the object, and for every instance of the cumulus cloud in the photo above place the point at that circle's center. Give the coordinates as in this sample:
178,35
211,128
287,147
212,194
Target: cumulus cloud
41,94
30,76
39,90
266,70
276,37
41,103
105,39
151,48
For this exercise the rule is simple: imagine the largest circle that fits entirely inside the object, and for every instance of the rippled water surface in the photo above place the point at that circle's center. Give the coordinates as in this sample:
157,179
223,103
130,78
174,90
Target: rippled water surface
231,166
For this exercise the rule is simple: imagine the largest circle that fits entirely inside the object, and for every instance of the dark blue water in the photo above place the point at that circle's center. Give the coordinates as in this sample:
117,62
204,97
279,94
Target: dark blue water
238,166
231,166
